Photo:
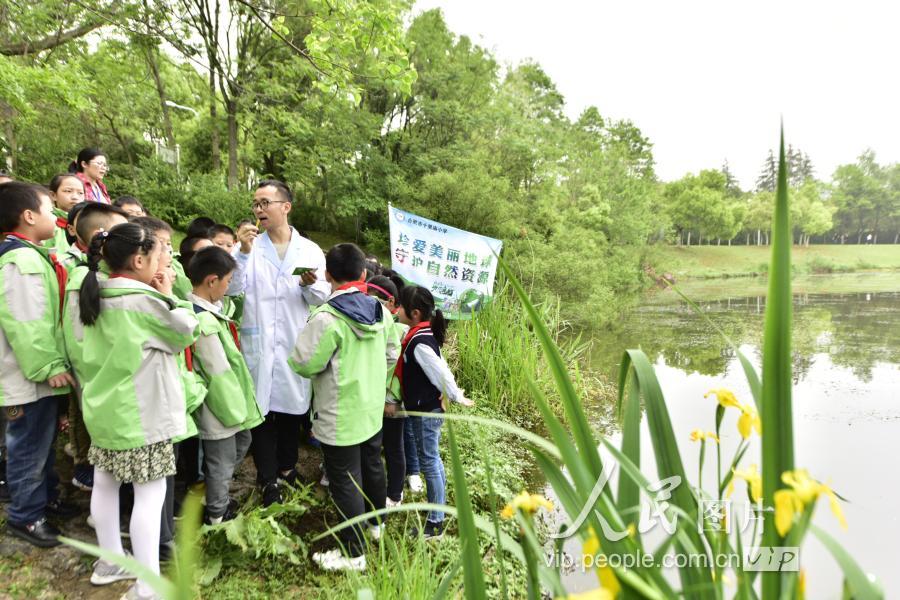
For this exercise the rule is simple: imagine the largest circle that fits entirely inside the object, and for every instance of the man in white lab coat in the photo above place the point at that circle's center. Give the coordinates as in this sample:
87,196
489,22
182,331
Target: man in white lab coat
276,306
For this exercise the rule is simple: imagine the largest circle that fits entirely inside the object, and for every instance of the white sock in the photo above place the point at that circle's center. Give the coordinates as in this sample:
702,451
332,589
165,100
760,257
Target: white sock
105,511
148,503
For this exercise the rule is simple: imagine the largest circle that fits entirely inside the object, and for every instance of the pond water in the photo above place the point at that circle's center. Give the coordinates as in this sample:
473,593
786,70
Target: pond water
846,365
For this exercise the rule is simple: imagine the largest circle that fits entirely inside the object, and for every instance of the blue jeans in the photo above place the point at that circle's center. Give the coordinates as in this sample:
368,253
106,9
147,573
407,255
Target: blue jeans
30,431
427,433
409,449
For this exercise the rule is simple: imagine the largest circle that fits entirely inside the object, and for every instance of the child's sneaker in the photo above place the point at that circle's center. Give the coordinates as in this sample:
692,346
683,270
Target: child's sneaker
134,593
431,531
415,484
271,494
291,478
324,481
333,560
106,573
388,503
376,531
83,477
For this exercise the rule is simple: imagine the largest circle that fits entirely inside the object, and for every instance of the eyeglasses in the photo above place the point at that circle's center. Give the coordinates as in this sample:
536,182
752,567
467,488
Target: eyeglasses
264,204
100,165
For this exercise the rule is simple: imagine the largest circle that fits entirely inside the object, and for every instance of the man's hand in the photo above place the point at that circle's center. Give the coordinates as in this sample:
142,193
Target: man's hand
390,410
246,235
307,278
466,402
61,380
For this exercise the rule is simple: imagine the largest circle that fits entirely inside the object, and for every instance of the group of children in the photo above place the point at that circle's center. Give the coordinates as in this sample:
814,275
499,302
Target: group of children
135,351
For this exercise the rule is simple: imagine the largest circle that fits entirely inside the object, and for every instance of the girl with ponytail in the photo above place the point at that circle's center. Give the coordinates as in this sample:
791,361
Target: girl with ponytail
424,377
133,397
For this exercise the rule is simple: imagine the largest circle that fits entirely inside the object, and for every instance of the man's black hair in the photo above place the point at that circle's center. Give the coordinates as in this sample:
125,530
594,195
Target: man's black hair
281,186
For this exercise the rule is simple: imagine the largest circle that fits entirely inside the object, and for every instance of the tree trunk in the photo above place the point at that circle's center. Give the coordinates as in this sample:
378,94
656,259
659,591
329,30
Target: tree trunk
689,238
215,150
700,240
9,131
231,111
875,237
168,130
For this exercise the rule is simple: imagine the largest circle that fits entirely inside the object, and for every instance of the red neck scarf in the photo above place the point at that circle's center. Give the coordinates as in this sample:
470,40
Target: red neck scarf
61,222
234,333
398,369
358,285
60,271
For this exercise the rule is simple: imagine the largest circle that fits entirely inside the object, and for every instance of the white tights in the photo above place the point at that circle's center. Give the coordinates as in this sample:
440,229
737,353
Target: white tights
145,516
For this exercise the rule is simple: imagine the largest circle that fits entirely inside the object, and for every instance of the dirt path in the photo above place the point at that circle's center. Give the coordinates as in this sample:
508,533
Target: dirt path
27,572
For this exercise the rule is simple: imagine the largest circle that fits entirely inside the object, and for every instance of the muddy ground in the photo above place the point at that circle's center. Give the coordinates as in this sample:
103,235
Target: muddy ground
27,572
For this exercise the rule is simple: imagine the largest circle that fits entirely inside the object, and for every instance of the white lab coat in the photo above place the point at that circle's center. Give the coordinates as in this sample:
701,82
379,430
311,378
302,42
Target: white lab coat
276,307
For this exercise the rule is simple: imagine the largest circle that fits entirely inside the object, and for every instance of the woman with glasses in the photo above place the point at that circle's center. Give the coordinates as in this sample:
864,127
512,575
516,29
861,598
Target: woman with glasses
90,167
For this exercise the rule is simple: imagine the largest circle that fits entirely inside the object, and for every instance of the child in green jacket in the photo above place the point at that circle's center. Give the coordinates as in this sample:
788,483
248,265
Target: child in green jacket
229,410
66,191
34,373
346,349
93,218
133,396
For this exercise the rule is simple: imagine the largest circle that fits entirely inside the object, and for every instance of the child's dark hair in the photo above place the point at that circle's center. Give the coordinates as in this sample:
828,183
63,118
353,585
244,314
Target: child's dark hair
186,249
91,216
126,200
415,297
393,276
211,260
86,155
382,287
15,198
345,262
57,180
373,267
71,217
220,228
116,247
243,222
151,223
199,227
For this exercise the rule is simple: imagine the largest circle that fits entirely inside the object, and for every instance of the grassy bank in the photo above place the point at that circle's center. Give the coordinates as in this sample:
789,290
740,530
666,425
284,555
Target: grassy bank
711,262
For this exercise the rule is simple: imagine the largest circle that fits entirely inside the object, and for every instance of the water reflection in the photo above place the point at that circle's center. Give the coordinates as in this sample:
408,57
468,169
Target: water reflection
856,330
846,365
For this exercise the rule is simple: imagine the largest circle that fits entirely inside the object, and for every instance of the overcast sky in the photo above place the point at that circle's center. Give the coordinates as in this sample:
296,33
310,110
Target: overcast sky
709,80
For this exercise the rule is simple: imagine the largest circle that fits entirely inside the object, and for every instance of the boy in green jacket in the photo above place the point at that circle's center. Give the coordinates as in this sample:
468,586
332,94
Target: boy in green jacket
229,410
346,348
34,372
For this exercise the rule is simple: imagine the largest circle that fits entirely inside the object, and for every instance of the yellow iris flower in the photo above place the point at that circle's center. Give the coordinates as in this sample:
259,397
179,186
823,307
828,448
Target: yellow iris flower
608,581
699,435
527,503
802,491
749,419
754,482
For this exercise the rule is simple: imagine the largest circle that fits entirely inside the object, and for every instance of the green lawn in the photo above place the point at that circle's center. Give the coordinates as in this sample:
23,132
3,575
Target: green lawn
706,262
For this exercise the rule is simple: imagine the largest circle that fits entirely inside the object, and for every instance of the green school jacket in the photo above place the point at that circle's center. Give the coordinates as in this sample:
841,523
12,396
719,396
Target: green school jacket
194,392
72,258
230,405
73,329
58,244
31,341
133,390
183,286
346,360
